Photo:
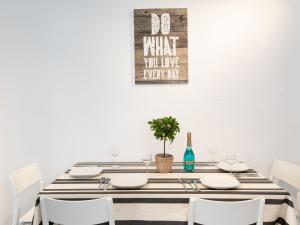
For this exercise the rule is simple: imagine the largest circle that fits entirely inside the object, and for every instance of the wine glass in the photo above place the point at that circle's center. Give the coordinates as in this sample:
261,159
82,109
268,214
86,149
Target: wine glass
213,151
114,151
230,159
146,158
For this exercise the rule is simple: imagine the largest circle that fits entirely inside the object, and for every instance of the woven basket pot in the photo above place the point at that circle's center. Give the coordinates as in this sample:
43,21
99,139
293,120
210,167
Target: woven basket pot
164,163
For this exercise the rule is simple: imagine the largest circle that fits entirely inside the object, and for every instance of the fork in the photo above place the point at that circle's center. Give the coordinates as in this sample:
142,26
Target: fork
189,182
181,180
195,183
107,184
102,182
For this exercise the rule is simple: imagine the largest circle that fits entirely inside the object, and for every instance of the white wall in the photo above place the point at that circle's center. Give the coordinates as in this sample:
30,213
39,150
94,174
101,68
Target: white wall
67,88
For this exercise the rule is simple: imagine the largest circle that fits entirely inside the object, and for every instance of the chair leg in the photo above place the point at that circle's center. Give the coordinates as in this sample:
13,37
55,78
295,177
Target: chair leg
16,212
191,211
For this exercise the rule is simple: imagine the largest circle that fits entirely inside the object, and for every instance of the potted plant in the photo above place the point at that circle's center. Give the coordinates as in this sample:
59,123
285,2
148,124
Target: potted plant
165,129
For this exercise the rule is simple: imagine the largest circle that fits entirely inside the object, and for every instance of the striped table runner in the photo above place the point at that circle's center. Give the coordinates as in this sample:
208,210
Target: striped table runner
163,200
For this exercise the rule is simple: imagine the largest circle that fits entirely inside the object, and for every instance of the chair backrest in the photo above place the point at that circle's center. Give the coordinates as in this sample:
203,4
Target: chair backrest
287,172
25,177
87,212
226,213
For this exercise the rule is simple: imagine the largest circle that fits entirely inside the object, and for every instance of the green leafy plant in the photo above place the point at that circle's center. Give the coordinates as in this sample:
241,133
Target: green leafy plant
165,129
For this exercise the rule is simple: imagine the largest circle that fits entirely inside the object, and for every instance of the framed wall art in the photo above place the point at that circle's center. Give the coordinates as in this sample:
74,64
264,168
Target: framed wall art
161,46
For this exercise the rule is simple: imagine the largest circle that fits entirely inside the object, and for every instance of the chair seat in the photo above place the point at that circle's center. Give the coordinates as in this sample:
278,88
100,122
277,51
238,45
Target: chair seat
27,217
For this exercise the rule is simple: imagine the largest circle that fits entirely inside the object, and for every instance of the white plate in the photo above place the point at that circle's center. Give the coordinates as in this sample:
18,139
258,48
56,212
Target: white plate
237,167
220,181
129,181
85,172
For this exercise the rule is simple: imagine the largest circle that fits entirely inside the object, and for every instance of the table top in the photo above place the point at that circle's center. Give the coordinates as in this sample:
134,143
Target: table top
165,192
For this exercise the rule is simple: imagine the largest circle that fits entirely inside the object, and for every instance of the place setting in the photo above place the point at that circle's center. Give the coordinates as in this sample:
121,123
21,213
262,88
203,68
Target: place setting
234,170
128,181
85,171
235,167
123,181
220,181
132,180
116,180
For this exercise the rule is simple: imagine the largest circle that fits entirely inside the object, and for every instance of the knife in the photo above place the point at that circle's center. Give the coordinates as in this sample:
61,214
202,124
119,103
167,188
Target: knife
182,182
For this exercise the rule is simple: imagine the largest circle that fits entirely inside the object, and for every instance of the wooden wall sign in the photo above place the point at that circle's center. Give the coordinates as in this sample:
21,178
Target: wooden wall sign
161,46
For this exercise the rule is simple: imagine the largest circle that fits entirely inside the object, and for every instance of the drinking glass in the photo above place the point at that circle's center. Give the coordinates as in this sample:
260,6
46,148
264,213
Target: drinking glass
114,151
146,158
230,159
213,151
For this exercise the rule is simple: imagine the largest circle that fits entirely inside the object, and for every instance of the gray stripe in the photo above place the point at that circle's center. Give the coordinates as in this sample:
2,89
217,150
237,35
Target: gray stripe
137,164
97,181
212,192
143,170
96,189
182,200
160,180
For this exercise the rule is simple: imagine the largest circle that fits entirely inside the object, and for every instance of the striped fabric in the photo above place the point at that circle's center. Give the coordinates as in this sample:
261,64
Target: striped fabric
163,200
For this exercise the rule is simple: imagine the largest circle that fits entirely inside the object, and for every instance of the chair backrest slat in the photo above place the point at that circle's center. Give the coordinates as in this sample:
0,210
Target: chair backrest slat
287,172
88,212
226,213
25,177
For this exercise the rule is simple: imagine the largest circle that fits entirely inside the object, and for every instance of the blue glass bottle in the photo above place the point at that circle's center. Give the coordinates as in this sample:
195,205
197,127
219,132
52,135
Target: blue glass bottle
189,156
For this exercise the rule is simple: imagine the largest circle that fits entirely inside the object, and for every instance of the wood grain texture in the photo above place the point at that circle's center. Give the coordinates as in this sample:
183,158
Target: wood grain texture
181,53
140,73
182,42
162,71
143,24
172,12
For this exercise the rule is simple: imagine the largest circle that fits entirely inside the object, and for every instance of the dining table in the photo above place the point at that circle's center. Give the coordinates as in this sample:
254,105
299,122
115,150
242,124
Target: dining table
164,199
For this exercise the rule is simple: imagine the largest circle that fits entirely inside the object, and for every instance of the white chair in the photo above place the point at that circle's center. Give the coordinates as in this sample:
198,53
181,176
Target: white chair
86,212
24,180
226,213
287,172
